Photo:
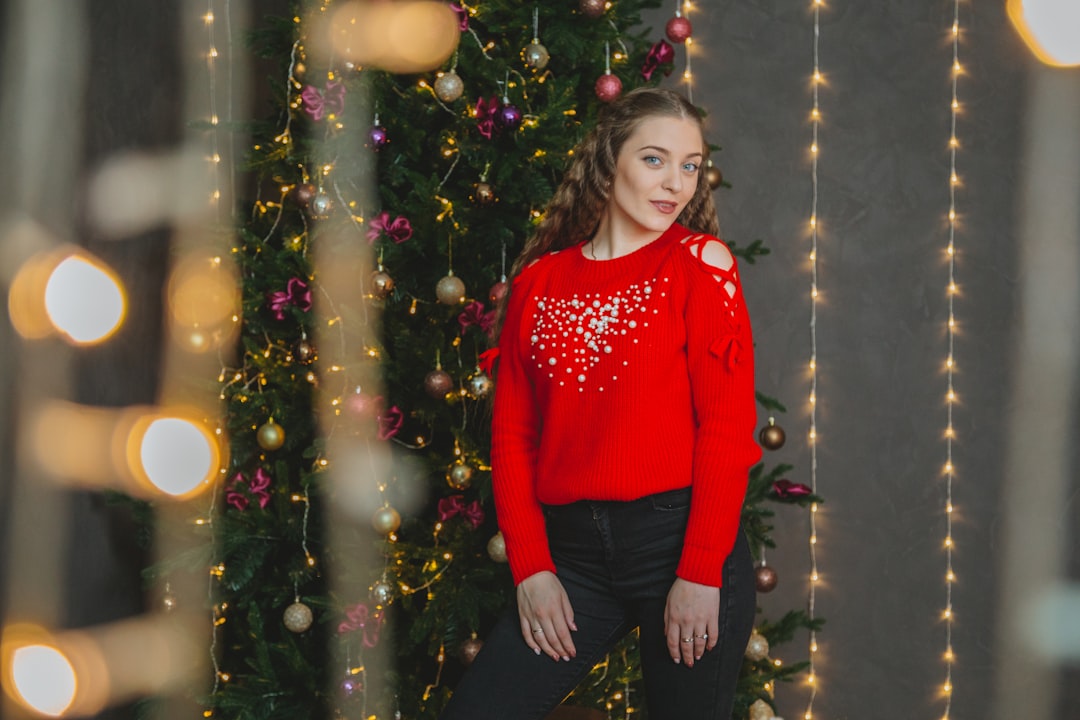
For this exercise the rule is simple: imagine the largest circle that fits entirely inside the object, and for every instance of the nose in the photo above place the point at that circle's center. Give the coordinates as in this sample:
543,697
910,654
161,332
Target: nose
673,180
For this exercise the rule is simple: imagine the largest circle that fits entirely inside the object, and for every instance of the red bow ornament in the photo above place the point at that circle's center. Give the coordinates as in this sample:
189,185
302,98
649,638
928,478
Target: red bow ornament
296,293
454,505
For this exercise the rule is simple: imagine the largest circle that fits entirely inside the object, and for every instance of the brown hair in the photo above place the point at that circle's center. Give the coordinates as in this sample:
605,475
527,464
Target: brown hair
572,215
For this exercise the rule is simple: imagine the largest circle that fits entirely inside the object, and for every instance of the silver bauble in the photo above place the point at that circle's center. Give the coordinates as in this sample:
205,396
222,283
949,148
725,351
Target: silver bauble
536,55
460,476
321,204
450,290
386,520
382,592
480,384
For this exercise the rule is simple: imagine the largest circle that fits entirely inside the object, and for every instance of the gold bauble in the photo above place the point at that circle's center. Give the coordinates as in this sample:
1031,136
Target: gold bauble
448,86
298,617
381,283
271,436
713,176
469,649
758,647
483,194
450,290
771,436
761,710
386,520
496,547
536,55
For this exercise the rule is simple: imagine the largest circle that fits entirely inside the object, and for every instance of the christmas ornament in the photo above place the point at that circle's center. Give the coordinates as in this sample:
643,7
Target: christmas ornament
483,194
450,290
496,547
678,28
321,204
758,647
382,592
468,650
765,578
270,436
460,476
509,117
761,710
438,383
479,384
497,292
360,405
377,137
592,8
448,86
303,193
381,283
386,520
713,175
298,617
771,436
351,685
608,87
536,55
304,352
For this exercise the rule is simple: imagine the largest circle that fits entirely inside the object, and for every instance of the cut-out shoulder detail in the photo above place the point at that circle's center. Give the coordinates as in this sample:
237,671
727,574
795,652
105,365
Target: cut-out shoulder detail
716,257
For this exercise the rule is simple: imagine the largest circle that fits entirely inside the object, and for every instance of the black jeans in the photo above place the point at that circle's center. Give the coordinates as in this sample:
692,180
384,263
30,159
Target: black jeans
617,562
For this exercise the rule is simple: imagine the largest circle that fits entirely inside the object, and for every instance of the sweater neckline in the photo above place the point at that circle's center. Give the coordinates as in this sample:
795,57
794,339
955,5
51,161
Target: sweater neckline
632,257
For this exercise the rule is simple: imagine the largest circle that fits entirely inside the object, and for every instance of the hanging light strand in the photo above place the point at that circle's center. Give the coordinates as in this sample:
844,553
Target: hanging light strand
950,365
815,121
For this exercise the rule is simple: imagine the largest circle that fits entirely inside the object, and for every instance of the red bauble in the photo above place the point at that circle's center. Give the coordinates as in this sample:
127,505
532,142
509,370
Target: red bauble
468,650
592,8
497,292
608,87
438,383
678,29
765,579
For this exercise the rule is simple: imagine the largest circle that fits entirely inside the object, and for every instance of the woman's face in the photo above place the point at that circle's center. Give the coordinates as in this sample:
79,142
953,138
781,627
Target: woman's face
656,173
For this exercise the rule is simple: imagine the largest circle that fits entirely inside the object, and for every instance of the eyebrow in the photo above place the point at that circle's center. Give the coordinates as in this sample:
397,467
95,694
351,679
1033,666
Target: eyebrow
665,151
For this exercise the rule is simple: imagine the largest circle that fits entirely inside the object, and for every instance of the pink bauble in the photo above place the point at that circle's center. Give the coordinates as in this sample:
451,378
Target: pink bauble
678,29
360,405
608,87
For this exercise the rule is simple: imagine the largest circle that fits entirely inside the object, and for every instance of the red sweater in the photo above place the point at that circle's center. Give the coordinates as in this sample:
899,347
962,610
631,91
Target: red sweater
622,378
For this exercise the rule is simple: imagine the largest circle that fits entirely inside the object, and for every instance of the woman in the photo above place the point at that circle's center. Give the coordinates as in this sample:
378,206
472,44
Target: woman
623,432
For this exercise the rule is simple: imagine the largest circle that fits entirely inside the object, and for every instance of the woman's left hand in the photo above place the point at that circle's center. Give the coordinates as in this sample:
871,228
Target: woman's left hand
691,620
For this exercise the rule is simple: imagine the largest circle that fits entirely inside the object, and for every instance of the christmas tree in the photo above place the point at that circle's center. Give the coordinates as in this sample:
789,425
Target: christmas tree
463,160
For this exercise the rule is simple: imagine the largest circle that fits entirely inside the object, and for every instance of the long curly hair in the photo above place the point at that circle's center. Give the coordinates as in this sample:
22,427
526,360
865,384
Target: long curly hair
573,213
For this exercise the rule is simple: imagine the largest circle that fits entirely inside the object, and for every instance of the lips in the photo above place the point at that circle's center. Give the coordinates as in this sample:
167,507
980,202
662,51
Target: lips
665,207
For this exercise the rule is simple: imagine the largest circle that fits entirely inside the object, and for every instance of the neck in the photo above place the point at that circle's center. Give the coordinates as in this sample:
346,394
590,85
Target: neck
614,239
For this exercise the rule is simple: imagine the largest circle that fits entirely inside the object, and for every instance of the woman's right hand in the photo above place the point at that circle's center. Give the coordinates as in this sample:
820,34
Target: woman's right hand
546,616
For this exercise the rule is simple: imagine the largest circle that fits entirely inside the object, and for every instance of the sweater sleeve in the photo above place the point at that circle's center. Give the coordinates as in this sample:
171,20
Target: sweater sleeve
514,444
720,361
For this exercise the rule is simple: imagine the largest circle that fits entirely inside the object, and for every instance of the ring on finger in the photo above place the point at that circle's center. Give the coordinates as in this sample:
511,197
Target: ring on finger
538,631
688,639
702,637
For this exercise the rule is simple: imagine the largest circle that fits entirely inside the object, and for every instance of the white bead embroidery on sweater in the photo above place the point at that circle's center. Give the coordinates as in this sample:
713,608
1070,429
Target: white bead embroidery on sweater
571,335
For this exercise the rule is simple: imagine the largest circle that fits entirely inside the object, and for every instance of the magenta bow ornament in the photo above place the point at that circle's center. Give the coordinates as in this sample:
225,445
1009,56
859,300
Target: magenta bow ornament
296,293
258,487
454,505
399,229
659,54
318,104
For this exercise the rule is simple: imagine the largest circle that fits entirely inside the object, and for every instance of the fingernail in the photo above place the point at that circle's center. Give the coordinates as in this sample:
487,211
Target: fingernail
573,626
565,658
677,660
536,650
697,657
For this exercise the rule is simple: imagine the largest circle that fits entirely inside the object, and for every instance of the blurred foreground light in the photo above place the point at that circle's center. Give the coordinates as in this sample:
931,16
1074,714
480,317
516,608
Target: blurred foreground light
69,292
147,452
178,456
78,673
1051,29
400,37
43,679
203,298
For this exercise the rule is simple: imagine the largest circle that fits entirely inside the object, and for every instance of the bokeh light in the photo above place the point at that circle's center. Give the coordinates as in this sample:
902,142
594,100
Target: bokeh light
43,679
175,455
84,300
1051,28
401,37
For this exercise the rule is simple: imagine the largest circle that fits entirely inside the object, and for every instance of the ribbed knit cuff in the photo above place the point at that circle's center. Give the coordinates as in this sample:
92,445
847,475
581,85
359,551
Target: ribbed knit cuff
528,560
701,565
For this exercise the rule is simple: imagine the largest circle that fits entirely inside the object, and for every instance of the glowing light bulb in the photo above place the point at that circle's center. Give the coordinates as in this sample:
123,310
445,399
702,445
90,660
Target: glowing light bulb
43,678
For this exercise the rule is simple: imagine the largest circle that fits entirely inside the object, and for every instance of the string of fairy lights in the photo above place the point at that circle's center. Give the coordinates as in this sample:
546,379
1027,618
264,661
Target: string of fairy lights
950,365
815,122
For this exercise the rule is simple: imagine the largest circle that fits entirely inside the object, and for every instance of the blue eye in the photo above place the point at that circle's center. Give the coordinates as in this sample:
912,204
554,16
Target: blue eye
691,167
652,160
